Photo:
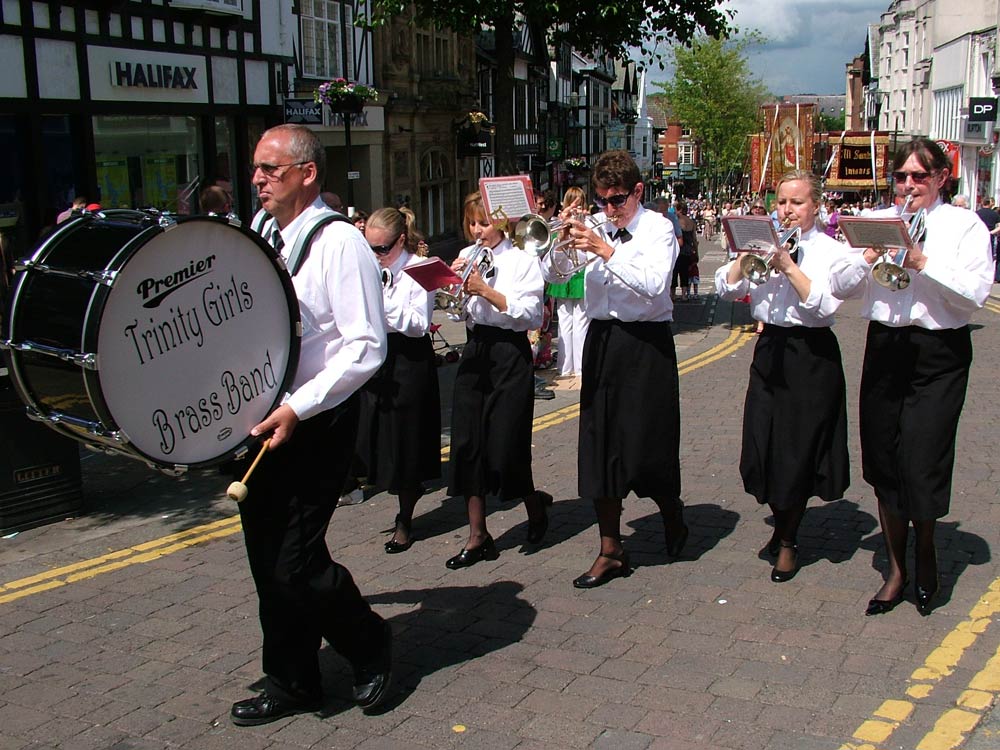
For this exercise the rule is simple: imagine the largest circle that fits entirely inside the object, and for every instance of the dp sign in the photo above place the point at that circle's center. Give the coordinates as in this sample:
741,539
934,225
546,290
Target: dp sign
982,109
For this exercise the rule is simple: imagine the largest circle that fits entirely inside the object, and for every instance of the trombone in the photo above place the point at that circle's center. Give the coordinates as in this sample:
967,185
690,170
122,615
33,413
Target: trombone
757,269
455,301
888,271
536,235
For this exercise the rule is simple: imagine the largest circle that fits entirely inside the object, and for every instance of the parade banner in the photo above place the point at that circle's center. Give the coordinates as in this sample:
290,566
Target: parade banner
787,141
852,159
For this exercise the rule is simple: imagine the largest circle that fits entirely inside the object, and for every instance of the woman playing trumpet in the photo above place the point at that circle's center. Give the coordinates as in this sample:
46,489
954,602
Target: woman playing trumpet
795,413
916,366
493,399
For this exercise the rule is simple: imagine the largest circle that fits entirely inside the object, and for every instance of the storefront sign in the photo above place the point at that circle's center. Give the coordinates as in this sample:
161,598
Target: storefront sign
140,75
982,109
303,112
974,132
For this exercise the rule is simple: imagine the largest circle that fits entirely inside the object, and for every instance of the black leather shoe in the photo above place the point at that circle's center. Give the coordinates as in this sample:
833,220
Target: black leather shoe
265,708
676,544
624,570
485,551
537,529
392,547
881,606
371,681
925,598
781,576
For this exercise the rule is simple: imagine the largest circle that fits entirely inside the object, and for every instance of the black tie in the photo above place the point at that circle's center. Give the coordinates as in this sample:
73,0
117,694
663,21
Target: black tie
622,234
276,242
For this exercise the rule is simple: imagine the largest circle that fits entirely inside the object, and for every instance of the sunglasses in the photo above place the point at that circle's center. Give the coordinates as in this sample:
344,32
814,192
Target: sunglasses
917,177
385,249
270,171
612,200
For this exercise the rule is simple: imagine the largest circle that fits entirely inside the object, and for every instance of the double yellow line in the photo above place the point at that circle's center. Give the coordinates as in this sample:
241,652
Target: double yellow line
149,551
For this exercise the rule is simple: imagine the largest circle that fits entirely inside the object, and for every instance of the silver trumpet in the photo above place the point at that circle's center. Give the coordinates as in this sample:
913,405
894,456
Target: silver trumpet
888,271
455,301
756,268
536,235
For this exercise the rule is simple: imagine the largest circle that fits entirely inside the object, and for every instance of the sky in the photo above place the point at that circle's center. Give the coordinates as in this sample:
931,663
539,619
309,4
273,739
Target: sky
809,42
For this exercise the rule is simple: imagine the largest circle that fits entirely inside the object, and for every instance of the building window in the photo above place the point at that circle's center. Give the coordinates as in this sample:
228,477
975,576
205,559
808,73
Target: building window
685,153
685,132
434,54
323,54
435,177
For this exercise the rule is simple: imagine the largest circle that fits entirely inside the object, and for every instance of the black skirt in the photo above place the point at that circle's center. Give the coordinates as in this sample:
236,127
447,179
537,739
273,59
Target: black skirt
913,384
491,416
629,411
795,418
399,436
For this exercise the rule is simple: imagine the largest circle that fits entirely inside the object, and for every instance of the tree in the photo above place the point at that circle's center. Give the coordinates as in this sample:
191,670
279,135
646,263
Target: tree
714,94
615,28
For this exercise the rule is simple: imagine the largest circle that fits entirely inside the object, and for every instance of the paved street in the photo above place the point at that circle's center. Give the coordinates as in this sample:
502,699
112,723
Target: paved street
134,626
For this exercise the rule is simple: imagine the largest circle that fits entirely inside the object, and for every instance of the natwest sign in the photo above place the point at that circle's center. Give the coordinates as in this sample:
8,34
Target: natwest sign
140,75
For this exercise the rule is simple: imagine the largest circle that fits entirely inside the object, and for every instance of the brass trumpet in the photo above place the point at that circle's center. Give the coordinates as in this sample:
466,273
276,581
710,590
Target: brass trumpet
455,301
536,235
888,271
757,269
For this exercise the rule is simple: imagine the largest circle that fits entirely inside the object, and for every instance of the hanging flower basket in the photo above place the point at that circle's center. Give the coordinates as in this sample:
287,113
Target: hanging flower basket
344,97
576,162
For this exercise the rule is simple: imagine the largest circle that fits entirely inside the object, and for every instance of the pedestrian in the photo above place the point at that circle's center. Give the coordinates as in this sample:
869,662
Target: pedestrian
492,405
213,199
399,438
795,410
304,595
916,366
991,219
688,251
568,294
629,401
78,204
333,201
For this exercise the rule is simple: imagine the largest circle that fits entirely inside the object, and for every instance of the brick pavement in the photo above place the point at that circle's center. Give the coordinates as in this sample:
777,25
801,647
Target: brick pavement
702,653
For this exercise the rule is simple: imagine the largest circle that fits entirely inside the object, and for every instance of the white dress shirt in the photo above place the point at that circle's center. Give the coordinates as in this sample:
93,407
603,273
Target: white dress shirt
339,289
776,302
634,284
408,306
518,278
954,283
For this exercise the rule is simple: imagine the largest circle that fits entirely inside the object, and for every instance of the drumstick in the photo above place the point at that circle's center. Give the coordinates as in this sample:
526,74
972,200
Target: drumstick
238,490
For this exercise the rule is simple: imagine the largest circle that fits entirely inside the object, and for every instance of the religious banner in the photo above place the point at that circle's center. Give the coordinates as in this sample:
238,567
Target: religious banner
787,142
854,156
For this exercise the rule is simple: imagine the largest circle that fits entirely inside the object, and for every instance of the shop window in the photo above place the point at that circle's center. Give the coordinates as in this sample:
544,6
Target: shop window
323,37
435,177
148,162
226,172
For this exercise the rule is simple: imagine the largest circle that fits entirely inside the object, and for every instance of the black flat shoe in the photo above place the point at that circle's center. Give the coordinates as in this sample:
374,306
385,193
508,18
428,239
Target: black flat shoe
265,708
925,598
372,680
624,570
485,551
781,576
881,606
676,545
392,547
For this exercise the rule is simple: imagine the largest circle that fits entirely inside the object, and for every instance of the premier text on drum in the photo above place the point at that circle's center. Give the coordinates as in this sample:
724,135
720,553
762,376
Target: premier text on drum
172,282
219,304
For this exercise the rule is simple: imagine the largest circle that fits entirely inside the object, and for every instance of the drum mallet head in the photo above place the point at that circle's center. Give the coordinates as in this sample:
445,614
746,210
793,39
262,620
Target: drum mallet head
238,490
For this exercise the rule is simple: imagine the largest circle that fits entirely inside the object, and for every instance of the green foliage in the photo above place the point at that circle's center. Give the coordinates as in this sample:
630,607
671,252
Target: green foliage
714,93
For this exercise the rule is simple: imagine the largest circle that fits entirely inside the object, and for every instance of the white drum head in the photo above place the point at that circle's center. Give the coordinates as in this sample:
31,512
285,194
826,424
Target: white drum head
195,340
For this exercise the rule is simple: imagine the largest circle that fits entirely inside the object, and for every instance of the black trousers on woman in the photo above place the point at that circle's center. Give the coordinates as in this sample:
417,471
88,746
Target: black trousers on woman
913,384
305,596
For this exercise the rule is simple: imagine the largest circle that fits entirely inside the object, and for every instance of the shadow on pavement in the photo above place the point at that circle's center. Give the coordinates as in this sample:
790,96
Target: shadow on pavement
709,524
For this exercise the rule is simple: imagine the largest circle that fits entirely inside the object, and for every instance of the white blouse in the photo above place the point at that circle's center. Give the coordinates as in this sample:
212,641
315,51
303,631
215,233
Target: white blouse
516,275
408,306
954,283
776,302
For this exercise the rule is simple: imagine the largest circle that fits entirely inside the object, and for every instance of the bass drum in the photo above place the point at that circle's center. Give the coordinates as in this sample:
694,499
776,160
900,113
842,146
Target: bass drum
163,339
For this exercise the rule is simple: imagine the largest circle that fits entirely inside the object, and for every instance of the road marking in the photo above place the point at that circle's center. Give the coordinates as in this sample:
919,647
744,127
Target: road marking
954,724
992,306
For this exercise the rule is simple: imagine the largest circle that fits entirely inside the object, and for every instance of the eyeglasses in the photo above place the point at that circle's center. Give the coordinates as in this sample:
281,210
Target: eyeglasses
917,177
758,208
385,249
270,171
614,200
